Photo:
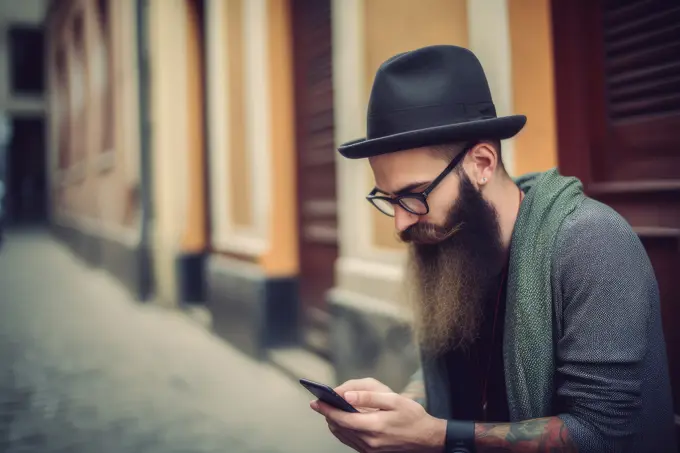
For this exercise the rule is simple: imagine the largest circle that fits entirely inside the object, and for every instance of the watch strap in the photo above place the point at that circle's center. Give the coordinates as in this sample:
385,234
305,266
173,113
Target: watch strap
460,437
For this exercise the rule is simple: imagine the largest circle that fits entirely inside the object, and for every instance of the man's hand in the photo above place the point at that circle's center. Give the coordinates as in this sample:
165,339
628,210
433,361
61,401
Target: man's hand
393,423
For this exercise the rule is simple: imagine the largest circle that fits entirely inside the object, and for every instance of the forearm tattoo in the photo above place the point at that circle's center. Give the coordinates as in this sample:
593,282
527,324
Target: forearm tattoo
541,435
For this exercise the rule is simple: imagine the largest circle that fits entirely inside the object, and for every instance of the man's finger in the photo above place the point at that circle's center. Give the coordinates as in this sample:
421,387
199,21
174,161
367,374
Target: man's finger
365,384
347,437
334,415
346,420
376,400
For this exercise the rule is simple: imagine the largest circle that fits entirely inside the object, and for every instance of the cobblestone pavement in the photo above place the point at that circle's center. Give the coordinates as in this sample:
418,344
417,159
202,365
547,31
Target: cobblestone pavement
83,368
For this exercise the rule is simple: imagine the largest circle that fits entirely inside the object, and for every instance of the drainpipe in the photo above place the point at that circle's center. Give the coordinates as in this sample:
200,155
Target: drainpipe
146,284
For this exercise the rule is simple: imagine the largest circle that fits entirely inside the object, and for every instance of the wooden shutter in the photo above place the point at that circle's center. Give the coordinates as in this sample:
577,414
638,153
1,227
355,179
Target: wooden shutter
642,72
641,47
315,162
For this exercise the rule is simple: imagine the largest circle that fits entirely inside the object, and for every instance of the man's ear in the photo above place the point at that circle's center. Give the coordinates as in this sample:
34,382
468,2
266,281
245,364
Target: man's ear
482,163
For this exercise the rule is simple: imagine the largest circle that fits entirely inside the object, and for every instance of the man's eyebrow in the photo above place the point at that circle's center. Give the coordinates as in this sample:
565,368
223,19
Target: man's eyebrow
403,190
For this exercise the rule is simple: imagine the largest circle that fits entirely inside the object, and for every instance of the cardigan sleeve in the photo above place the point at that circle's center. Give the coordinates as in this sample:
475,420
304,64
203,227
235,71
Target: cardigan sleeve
606,287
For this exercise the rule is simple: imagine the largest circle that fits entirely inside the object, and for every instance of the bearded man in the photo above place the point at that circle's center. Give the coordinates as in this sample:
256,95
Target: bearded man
538,315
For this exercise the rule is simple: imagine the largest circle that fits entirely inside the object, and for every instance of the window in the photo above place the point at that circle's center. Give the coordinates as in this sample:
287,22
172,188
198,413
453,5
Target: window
26,61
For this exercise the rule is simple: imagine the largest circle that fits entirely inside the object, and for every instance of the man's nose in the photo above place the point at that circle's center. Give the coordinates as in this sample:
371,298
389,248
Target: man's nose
403,219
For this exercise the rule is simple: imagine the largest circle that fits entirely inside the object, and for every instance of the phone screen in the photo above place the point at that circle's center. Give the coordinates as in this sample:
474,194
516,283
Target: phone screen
327,395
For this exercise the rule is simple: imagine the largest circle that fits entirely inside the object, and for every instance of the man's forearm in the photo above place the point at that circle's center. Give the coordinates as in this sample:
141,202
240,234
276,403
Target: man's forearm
530,436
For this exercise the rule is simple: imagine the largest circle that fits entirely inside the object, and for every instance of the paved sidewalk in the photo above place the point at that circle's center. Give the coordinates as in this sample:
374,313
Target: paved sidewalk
86,369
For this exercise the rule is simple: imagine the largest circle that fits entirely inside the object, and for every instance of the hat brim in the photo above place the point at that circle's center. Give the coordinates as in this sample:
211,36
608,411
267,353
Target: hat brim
495,128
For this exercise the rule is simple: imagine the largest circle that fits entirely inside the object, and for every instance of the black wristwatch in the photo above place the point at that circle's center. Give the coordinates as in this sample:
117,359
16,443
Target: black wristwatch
460,437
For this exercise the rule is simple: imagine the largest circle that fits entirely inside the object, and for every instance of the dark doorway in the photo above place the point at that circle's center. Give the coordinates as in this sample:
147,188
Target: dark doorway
26,197
315,164
618,115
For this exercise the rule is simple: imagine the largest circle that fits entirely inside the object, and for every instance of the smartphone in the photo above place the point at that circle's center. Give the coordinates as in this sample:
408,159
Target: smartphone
327,395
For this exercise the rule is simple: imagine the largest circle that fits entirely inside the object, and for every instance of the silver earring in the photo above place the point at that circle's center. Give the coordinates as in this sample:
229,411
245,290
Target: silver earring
483,179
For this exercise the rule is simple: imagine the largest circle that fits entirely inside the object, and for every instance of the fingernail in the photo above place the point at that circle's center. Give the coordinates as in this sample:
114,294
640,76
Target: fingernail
351,397
314,405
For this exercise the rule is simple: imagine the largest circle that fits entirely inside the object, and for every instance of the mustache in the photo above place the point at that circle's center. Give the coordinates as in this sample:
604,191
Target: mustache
428,233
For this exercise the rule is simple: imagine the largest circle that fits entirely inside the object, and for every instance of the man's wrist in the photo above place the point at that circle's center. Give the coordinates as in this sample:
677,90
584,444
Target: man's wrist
436,436
460,436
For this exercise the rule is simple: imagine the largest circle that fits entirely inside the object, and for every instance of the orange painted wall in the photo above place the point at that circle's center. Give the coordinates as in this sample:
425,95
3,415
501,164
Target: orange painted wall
282,258
194,239
532,84
394,26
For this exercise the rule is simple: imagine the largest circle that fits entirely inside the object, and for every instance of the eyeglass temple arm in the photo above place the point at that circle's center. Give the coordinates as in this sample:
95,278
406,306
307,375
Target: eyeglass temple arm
446,171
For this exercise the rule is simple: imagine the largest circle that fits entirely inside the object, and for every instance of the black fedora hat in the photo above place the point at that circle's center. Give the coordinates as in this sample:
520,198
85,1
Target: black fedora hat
429,96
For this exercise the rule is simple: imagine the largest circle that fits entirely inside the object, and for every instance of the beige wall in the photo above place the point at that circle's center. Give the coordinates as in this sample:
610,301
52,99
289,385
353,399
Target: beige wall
119,166
252,149
97,192
394,26
168,84
532,88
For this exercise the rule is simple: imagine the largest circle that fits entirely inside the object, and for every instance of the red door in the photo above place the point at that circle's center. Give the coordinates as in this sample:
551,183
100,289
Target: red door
315,163
617,71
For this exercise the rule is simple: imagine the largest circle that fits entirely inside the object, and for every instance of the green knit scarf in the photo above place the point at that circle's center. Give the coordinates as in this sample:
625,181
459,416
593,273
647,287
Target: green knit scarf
528,350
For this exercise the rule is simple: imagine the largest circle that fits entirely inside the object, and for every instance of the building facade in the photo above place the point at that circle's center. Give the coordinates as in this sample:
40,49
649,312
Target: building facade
94,129
296,254
227,115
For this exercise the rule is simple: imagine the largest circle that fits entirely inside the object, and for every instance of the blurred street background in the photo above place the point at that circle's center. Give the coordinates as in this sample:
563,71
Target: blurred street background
85,368
181,241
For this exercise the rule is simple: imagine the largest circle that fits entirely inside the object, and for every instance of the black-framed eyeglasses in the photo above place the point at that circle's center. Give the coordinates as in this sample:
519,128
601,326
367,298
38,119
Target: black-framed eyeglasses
413,202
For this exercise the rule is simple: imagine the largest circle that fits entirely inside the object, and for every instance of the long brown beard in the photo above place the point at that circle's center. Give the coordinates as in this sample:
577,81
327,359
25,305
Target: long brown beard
454,269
